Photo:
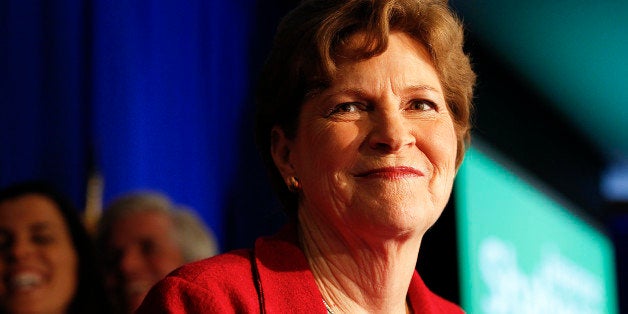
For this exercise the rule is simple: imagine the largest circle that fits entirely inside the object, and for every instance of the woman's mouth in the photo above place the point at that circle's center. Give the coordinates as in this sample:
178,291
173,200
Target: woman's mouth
391,173
24,281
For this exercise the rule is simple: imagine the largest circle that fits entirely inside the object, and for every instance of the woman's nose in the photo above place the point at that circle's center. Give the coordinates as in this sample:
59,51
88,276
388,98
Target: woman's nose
20,248
390,132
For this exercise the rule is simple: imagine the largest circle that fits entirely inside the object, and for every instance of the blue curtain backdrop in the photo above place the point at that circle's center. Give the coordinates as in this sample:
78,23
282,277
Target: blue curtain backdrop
152,94
43,93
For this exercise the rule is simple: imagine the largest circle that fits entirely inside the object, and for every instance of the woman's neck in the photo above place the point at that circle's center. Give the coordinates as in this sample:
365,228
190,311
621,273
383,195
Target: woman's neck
357,272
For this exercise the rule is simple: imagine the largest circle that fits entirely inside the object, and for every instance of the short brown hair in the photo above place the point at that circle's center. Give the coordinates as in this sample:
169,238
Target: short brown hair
306,51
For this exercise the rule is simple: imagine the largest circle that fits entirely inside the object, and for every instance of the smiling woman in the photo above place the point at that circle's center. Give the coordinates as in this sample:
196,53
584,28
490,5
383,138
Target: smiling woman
45,255
363,122
391,139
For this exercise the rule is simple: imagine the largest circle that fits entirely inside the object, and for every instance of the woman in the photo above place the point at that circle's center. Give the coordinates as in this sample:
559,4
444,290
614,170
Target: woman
46,262
363,122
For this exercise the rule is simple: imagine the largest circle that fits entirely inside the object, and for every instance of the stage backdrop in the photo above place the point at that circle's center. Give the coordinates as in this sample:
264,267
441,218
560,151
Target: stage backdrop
150,94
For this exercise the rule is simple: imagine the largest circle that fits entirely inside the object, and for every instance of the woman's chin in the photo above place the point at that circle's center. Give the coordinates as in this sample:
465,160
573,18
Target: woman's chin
394,224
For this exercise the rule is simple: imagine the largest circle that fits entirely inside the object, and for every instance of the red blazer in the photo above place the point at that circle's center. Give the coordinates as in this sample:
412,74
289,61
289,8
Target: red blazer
274,277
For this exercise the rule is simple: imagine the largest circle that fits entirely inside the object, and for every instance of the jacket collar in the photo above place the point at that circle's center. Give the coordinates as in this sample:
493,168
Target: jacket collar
286,284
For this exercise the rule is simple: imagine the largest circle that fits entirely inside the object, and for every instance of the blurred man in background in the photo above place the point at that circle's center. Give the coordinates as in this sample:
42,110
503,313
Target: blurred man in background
143,236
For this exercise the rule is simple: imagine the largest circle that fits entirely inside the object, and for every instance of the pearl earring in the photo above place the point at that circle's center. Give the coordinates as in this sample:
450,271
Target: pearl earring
293,184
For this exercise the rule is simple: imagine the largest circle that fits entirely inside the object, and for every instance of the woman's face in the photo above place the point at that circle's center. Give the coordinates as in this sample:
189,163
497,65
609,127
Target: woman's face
375,151
38,263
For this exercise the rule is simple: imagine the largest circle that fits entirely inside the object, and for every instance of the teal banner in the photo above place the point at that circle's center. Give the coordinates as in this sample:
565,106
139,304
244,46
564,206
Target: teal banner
523,249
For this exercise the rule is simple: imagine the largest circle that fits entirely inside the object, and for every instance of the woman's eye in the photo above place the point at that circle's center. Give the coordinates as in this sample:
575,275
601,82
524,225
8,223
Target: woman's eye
349,107
42,239
5,240
422,105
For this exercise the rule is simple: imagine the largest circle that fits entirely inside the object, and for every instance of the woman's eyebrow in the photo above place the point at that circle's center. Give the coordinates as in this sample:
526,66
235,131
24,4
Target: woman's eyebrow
362,93
422,87
40,226
356,92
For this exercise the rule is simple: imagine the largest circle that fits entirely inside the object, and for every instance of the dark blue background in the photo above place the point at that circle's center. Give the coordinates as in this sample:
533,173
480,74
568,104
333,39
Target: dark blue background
152,94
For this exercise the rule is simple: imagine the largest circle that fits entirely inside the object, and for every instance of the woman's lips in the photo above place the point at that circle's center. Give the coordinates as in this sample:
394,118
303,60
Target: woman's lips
391,172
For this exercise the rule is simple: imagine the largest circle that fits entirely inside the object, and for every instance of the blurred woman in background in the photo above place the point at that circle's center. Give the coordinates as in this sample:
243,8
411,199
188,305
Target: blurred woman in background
46,256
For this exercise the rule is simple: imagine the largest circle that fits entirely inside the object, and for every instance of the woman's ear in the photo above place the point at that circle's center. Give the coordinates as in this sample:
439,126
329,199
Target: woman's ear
280,149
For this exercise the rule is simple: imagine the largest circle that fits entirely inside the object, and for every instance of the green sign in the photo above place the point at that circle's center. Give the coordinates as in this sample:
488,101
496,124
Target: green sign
523,251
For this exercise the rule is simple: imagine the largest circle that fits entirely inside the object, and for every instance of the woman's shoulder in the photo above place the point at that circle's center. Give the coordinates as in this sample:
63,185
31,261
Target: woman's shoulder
218,284
423,300
221,266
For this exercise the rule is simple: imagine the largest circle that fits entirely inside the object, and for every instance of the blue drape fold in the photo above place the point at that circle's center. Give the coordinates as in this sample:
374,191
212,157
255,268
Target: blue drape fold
152,94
